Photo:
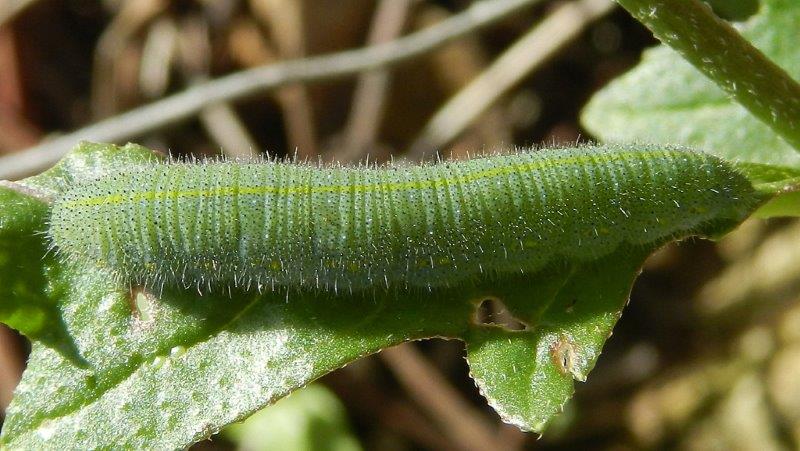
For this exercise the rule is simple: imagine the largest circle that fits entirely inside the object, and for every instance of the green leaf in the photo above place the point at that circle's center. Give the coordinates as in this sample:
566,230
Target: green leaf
770,178
665,99
527,376
311,419
113,367
87,161
166,371
174,370
26,307
734,9
30,302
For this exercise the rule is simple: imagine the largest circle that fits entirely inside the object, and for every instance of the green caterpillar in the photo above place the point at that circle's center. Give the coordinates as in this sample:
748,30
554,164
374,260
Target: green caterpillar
345,228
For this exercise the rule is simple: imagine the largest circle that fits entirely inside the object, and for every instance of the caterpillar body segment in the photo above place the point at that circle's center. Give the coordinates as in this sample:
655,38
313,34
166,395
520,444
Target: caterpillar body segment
342,228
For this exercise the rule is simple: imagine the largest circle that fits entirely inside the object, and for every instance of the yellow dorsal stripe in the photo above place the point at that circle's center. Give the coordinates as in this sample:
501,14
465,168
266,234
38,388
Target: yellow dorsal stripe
112,199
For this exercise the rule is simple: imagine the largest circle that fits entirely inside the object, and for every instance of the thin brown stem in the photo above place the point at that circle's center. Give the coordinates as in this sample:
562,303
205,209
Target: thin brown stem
518,61
372,89
462,424
186,104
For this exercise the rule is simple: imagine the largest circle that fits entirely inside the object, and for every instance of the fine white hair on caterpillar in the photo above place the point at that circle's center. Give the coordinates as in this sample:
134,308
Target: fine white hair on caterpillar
223,224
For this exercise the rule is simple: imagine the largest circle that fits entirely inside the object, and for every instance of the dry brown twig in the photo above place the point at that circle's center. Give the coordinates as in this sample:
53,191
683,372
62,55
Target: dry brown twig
518,61
285,21
17,130
455,66
131,18
185,104
462,424
11,364
219,120
372,88
9,9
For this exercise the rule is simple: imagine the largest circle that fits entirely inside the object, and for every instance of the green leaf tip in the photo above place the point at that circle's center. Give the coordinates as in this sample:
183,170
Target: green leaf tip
527,376
28,301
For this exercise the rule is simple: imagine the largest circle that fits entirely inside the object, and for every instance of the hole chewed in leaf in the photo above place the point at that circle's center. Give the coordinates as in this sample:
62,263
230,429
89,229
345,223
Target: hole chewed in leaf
566,358
493,312
142,304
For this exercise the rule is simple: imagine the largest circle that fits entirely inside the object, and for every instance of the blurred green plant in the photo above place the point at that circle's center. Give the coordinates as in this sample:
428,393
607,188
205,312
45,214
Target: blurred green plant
312,419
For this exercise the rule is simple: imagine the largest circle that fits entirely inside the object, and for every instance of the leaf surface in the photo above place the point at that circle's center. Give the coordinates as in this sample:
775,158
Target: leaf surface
665,99
115,367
